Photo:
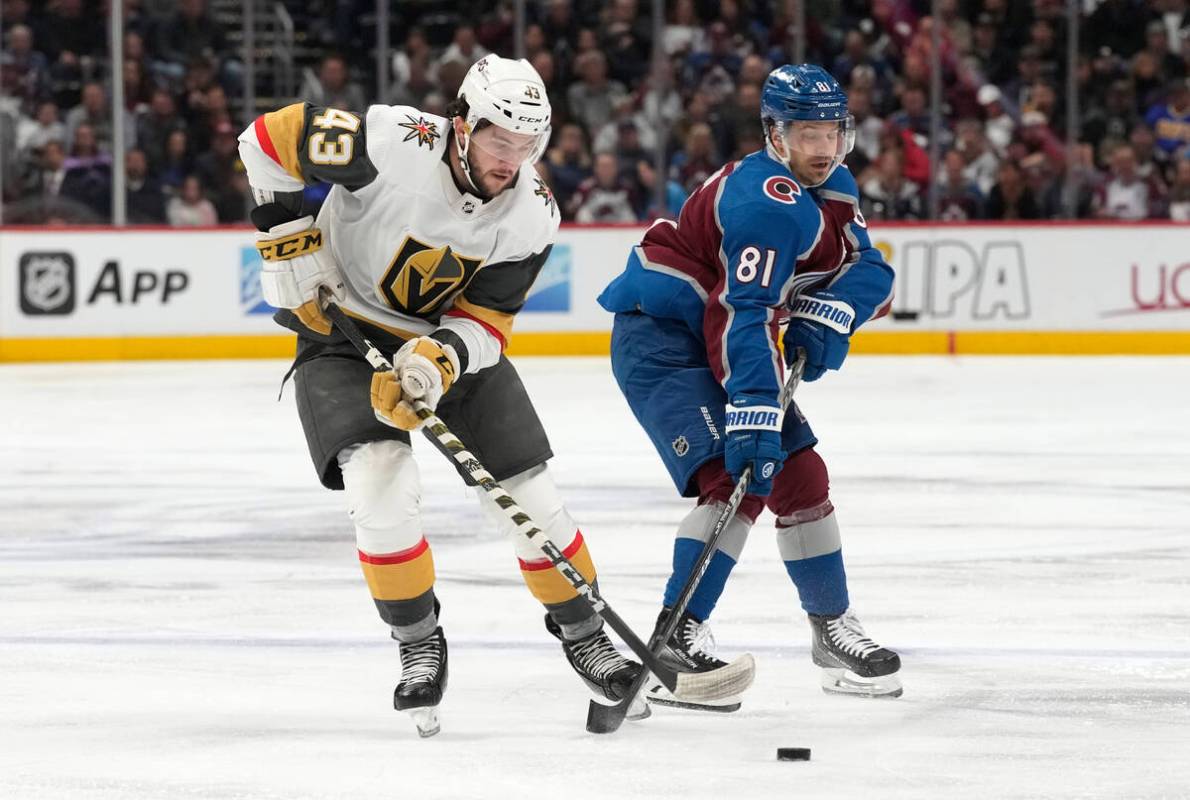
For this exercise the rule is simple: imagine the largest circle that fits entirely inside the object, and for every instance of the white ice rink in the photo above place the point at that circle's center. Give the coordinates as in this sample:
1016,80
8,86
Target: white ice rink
182,613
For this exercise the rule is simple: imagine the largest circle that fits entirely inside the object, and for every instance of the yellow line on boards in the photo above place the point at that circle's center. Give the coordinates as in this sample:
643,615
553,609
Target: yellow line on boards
597,343
1023,343
1090,343
147,347
569,343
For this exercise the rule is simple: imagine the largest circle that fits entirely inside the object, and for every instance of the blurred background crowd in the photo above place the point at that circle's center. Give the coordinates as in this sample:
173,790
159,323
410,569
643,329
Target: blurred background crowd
642,113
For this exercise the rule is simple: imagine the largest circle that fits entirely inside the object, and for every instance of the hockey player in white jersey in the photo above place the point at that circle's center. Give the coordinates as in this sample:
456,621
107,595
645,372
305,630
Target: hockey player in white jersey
430,238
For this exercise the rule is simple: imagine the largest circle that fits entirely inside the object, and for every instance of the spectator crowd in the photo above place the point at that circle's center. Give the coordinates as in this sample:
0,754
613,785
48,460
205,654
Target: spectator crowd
633,135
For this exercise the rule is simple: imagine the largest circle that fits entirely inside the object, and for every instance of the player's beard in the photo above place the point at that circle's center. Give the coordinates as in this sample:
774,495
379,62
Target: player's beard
488,184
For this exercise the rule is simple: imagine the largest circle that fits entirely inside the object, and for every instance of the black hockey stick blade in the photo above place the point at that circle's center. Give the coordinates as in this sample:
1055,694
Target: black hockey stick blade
603,718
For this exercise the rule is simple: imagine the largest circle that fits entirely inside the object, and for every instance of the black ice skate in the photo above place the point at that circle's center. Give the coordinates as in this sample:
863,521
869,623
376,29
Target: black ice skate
596,660
423,680
851,662
690,650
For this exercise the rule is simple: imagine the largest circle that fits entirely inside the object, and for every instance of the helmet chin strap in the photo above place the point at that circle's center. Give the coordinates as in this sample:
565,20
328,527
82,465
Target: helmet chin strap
768,144
465,163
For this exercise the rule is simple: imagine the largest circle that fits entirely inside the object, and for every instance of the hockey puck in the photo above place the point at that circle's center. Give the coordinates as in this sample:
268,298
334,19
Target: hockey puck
793,754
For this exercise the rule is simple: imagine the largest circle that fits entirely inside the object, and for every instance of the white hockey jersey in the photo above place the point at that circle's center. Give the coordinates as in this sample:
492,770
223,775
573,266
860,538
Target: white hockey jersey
416,253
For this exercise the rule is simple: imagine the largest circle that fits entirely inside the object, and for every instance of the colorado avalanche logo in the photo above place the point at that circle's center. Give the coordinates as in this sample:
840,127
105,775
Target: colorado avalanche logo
783,190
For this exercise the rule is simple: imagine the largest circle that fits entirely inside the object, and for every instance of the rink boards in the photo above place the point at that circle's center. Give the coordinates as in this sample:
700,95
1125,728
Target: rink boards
97,293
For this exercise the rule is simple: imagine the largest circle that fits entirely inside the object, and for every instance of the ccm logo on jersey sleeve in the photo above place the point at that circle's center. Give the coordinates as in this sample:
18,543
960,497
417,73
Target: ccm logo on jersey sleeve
835,314
765,418
781,189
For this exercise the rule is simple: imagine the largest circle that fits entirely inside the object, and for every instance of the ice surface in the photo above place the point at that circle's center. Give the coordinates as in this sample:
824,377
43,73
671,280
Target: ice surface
182,614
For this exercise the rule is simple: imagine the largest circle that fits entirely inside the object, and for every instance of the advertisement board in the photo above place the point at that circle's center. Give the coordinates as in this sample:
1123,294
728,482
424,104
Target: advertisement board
971,288
1068,278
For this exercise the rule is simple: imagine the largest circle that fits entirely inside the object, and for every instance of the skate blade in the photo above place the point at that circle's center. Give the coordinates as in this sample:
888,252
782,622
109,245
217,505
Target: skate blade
659,695
843,681
730,679
426,719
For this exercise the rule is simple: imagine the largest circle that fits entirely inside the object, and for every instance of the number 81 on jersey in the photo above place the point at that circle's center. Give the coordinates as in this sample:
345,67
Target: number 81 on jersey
749,266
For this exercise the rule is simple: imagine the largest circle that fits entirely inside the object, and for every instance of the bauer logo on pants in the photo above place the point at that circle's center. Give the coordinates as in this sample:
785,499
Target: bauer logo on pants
47,283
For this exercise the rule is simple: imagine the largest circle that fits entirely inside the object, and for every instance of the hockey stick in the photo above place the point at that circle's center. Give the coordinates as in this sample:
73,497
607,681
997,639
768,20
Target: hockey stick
696,685
608,718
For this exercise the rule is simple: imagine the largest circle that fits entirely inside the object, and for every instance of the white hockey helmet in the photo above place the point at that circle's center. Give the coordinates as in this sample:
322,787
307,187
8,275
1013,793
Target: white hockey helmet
511,95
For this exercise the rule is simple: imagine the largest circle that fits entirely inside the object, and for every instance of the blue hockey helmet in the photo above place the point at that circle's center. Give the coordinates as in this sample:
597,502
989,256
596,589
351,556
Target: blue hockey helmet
802,92
794,97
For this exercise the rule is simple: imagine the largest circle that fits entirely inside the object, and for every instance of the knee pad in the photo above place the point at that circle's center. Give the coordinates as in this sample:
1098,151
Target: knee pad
806,524
535,492
808,534
383,495
383,490
699,524
802,487
715,487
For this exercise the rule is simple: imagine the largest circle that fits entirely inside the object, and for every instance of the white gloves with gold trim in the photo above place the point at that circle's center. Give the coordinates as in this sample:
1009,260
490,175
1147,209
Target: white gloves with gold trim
295,267
423,369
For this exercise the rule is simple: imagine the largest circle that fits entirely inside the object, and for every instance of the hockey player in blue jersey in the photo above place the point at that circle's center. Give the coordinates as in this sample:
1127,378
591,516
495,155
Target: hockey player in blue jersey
776,236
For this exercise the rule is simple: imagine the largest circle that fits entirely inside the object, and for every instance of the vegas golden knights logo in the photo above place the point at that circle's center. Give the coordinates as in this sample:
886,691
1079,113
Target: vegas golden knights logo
421,278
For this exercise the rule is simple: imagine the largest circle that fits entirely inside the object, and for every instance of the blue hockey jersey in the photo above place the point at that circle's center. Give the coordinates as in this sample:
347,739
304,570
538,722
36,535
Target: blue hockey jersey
748,242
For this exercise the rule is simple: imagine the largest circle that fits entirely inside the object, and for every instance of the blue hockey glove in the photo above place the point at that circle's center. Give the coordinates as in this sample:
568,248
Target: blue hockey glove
754,439
821,325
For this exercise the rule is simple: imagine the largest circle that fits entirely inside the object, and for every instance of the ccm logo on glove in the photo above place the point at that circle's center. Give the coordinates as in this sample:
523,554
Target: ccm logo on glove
301,244
835,314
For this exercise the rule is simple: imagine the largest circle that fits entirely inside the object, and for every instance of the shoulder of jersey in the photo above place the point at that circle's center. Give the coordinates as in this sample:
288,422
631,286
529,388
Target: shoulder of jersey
405,139
761,191
534,213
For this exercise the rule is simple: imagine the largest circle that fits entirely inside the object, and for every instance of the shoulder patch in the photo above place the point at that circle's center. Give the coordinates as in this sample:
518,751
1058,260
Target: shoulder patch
423,130
782,189
543,191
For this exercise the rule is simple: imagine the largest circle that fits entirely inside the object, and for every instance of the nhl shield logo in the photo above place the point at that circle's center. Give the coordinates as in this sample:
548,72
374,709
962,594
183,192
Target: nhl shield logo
47,283
681,446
